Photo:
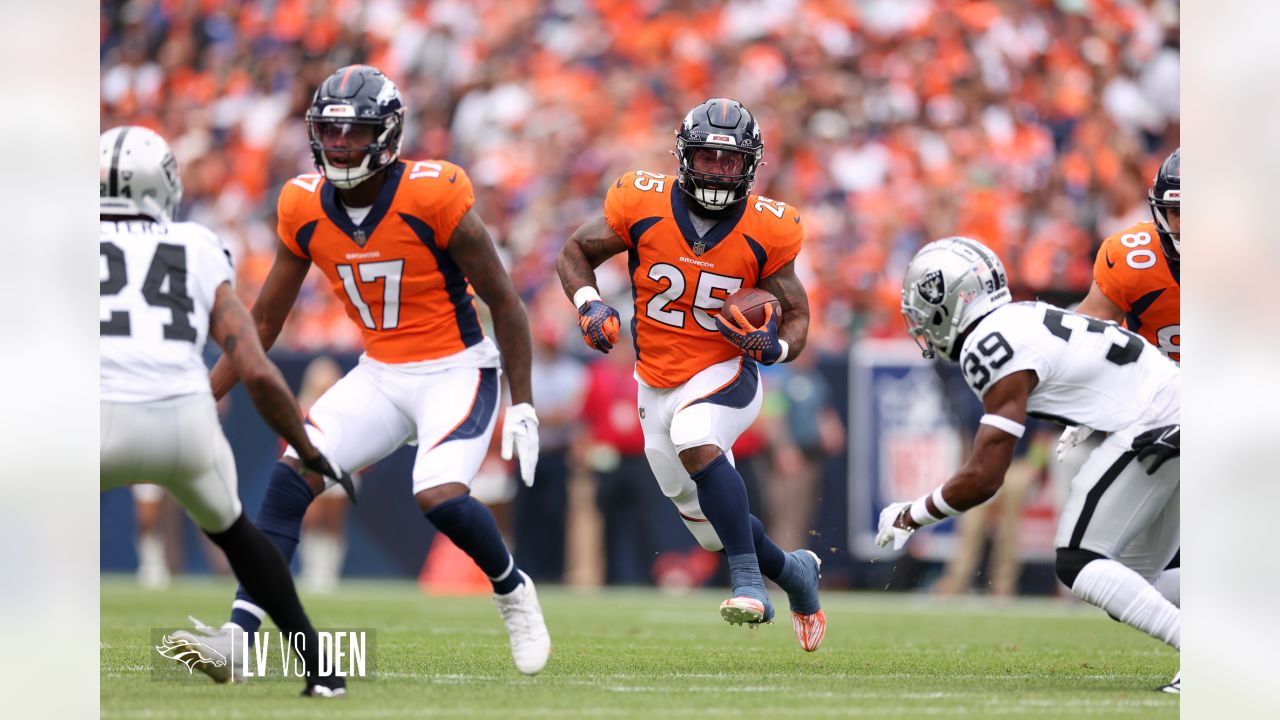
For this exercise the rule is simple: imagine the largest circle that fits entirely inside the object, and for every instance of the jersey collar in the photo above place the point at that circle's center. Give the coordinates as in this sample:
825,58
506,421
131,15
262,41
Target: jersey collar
338,216
717,233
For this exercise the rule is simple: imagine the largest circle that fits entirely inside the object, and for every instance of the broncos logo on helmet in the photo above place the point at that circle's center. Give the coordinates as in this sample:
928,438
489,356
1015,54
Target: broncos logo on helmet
355,125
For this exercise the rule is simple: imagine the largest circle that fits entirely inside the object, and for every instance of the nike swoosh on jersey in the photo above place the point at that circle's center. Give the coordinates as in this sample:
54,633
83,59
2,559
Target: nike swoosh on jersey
1109,263
619,183
454,179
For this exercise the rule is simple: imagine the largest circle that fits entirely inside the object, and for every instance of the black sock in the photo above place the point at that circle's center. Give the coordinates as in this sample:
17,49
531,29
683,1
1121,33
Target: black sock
262,571
280,519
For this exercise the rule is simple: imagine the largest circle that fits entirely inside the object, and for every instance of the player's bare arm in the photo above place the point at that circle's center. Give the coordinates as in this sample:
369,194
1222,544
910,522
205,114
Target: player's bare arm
983,473
794,329
472,249
588,247
275,300
231,326
1097,304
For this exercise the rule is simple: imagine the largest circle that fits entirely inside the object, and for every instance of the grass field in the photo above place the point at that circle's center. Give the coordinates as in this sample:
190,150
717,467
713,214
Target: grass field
642,654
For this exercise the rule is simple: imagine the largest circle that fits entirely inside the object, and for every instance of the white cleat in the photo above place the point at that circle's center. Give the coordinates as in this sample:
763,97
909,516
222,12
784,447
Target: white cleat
530,641
1174,687
224,642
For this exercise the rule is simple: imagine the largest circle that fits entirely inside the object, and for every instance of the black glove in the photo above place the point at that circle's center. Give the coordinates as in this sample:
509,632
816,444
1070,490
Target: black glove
320,465
1161,444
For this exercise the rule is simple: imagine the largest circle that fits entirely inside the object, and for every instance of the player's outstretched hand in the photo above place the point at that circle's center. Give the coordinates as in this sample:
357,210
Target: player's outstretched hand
1162,444
600,325
890,530
758,343
520,433
320,465
1072,437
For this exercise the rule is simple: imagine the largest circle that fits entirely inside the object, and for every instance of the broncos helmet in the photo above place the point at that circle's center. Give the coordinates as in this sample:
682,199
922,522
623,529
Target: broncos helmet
949,286
137,174
730,132
1164,195
356,109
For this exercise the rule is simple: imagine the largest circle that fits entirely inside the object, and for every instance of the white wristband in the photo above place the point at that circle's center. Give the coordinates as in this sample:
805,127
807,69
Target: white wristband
786,350
920,512
1003,423
942,505
585,294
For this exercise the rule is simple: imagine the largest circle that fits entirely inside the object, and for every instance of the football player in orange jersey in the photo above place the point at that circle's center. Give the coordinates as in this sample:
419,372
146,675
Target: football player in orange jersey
399,242
1139,283
691,241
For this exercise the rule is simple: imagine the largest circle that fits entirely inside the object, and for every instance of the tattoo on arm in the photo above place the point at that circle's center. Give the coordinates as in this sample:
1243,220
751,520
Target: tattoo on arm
584,251
232,328
472,249
794,328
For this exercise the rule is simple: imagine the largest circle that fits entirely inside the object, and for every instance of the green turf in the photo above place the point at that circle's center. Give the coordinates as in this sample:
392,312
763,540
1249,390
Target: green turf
642,654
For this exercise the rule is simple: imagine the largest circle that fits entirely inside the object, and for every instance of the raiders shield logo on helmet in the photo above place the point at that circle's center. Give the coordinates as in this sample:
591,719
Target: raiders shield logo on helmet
931,288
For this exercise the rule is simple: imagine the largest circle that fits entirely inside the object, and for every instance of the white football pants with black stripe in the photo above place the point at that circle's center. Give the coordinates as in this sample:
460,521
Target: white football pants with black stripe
178,444
1114,508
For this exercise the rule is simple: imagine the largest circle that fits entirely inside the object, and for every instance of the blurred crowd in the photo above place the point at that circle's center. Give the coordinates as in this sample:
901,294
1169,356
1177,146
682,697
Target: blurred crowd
1034,125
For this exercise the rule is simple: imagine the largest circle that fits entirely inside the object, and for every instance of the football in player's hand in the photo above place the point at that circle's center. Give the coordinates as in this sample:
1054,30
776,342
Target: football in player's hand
751,303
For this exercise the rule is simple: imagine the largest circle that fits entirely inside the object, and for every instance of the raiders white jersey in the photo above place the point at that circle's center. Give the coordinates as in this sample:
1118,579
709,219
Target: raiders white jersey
157,287
1090,372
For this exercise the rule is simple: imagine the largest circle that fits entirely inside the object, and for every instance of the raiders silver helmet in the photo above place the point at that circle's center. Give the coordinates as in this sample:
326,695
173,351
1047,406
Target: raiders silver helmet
950,284
137,174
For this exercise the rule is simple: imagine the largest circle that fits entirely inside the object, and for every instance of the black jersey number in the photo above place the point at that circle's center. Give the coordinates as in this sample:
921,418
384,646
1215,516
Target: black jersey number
165,286
1122,352
993,351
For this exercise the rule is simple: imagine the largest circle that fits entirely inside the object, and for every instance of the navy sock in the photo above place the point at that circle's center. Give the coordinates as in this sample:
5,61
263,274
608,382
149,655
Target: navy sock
280,519
470,525
723,499
771,558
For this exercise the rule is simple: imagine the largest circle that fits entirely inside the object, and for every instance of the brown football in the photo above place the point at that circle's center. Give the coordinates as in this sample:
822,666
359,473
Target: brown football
751,303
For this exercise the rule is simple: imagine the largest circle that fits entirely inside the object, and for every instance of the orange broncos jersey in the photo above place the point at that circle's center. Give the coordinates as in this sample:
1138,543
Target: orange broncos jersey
1133,272
392,272
679,280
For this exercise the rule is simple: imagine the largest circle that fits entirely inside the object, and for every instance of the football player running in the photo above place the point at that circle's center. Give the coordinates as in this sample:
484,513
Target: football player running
1138,282
692,240
1119,527
399,242
165,288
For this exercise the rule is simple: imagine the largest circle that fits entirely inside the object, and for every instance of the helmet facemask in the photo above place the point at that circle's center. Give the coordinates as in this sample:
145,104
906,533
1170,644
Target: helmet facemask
716,175
1160,211
340,138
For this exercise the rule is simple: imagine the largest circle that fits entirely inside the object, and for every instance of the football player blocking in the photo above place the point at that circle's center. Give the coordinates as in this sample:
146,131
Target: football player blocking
399,242
1119,528
691,240
168,286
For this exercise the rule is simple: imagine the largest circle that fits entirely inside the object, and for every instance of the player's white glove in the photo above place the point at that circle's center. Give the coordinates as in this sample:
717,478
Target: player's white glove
890,533
1072,437
520,432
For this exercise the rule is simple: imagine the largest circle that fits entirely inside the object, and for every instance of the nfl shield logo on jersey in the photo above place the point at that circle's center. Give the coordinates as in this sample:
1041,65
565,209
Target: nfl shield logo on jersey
699,247
931,287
